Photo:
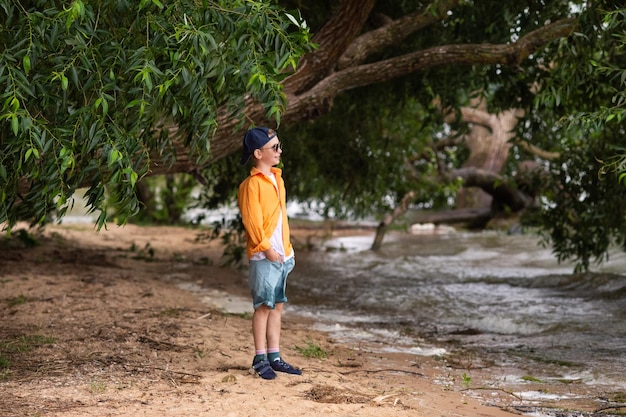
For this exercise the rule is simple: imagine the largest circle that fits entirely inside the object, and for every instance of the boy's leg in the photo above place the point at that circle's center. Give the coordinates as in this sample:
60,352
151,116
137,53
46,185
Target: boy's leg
259,332
273,342
274,323
260,327
262,282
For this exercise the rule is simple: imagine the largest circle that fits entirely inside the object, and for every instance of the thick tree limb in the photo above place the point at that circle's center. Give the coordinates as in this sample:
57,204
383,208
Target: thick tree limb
493,184
488,120
483,117
393,33
468,215
535,150
468,54
333,39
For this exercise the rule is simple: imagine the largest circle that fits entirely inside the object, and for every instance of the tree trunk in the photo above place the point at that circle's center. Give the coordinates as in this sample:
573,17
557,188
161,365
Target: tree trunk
467,215
489,143
390,218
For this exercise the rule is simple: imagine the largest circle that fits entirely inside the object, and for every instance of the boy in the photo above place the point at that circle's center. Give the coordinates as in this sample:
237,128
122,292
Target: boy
262,203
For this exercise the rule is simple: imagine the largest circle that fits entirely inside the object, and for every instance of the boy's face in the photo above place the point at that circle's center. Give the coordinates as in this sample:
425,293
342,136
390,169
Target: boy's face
270,153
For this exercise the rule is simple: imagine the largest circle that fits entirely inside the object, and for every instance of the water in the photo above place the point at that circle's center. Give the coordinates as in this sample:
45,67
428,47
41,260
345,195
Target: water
503,297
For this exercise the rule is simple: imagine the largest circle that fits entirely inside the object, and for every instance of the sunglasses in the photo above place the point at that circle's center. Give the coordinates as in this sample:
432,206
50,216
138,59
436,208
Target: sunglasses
275,147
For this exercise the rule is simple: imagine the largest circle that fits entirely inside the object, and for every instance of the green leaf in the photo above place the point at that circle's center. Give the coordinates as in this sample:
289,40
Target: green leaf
26,63
105,107
114,156
147,79
292,19
15,104
133,103
15,124
253,79
61,201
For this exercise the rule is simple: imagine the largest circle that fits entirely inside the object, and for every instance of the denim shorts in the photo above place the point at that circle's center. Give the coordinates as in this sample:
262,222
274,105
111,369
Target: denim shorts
268,281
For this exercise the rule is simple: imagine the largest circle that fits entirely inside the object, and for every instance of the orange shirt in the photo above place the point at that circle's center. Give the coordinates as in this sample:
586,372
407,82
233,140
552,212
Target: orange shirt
261,204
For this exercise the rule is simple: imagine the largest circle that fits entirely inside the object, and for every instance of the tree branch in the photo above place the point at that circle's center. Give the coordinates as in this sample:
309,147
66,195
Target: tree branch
393,33
400,209
468,54
493,184
468,215
332,40
535,150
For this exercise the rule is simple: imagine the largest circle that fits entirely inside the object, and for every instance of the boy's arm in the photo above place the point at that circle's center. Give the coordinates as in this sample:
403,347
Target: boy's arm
252,217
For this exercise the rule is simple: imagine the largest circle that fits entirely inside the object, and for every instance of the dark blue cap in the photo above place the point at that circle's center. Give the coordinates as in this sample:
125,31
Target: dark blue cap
254,138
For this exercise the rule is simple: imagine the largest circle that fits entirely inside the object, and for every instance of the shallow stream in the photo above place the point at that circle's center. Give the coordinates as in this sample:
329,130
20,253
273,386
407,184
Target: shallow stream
503,297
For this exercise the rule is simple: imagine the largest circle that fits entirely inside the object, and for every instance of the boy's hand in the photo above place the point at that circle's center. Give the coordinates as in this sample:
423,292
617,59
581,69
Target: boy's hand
272,255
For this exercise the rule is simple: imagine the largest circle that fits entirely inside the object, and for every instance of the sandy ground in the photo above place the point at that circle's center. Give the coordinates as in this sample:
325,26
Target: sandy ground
130,322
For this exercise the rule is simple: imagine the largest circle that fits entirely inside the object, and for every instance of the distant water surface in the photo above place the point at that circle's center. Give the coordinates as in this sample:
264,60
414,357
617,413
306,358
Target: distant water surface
503,296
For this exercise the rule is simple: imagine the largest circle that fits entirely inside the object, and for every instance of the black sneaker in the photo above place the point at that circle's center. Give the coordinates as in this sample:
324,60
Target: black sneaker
280,365
263,369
